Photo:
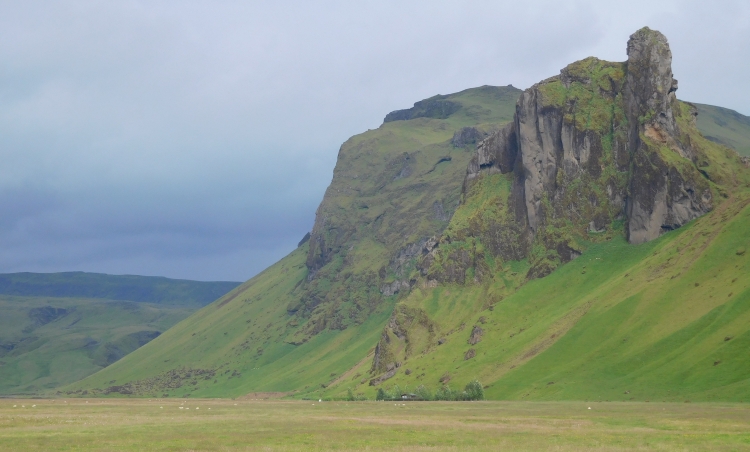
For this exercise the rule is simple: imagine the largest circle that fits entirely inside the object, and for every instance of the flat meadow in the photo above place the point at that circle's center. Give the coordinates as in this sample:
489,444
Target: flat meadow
225,425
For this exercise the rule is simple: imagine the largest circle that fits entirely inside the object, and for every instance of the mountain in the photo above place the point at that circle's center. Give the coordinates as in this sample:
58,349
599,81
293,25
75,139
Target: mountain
578,240
149,289
725,126
61,327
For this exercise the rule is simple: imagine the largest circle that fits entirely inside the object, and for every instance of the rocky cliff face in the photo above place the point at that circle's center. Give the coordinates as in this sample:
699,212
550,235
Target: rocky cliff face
666,191
392,189
602,149
597,147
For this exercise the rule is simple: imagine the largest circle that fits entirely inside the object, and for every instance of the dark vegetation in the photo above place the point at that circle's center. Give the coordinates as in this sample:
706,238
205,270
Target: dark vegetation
472,391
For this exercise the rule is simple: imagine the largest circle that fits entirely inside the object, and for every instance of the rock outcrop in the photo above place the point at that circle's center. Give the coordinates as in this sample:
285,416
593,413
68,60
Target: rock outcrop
435,107
597,146
665,191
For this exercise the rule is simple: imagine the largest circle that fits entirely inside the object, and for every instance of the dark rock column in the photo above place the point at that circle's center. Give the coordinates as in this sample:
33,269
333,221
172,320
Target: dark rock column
662,196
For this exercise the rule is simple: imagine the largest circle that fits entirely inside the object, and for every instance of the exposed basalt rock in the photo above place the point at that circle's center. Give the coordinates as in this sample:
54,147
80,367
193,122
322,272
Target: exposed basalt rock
476,335
397,339
597,144
664,196
401,264
382,354
304,239
390,372
435,107
394,287
497,153
470,353
467,136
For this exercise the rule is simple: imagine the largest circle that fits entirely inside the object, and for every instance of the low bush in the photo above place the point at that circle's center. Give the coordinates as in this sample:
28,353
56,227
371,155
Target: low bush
472,391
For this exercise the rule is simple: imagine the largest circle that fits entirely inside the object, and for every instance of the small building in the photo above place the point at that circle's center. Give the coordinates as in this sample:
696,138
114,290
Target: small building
410,397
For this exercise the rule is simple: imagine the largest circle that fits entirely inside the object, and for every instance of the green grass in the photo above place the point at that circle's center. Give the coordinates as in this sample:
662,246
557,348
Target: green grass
224,425
280,331
39,353
666,320
225,337
725,126
621,322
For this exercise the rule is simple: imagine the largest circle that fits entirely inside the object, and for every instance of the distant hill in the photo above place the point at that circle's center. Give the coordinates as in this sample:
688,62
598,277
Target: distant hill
56,328
725,126
149,289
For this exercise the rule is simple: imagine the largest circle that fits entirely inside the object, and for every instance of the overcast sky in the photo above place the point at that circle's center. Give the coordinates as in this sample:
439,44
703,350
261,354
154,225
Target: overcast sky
195,139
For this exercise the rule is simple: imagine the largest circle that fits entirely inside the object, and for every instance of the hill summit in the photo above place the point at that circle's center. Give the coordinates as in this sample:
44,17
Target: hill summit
579,239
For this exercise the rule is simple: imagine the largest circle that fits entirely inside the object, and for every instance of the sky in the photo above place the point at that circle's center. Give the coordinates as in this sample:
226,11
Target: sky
195,139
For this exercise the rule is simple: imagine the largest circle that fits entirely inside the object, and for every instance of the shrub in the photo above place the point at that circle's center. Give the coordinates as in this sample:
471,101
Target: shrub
474,391
423,393
395,393
446,393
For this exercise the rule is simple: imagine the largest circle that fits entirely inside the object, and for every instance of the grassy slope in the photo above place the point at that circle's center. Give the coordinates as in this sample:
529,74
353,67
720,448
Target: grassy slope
725,126
56,328
240,343
36,355
243,340
621,322
667,320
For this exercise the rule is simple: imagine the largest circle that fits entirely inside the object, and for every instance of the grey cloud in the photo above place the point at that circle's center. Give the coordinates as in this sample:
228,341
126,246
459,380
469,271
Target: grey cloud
195,139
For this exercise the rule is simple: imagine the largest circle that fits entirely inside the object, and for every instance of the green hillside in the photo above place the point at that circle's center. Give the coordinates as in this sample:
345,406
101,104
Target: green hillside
48,342
57,328
665,320
725,126
623,304
436,262
149,289
392,187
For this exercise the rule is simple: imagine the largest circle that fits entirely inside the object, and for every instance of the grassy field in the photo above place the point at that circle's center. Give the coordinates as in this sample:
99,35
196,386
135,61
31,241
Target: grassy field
221,425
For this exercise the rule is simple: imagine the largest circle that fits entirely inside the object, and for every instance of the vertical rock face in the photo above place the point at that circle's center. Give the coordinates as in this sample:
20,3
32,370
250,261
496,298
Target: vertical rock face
497,153
664,196
595,147
392,189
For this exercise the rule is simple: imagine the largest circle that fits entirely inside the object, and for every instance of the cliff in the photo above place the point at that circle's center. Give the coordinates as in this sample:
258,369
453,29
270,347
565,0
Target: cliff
599,149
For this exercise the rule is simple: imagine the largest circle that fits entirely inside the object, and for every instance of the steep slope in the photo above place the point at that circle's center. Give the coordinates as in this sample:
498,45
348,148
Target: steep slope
601,150
320,310
664,320
56,328
725,126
